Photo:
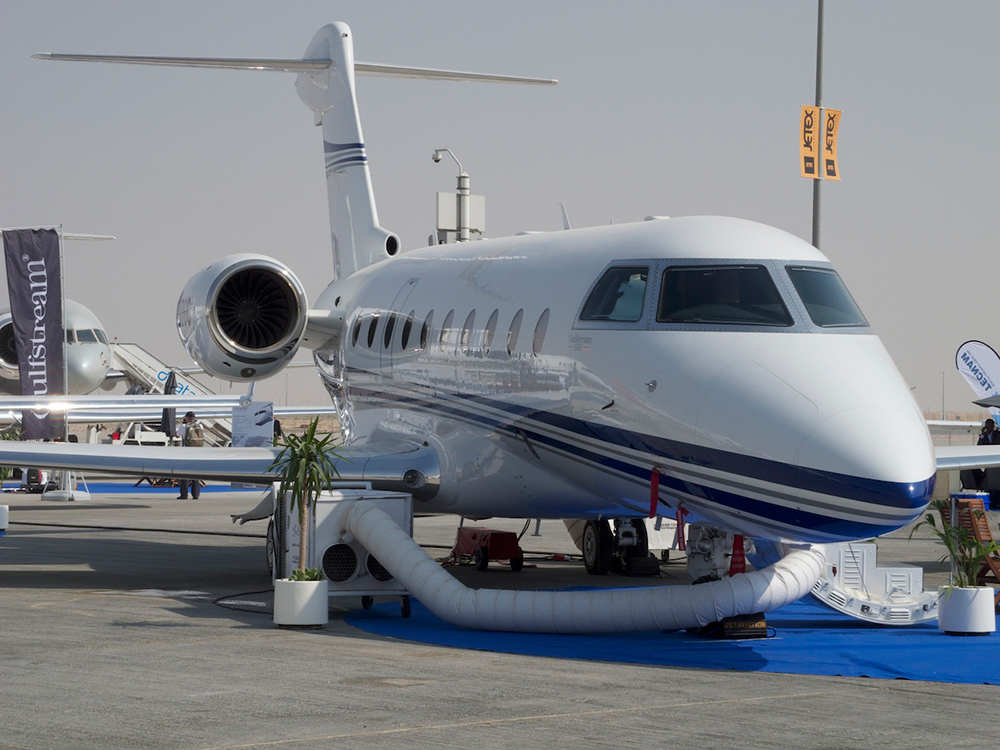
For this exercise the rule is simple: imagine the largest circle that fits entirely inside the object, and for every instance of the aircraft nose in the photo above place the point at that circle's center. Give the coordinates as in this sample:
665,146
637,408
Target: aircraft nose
880,456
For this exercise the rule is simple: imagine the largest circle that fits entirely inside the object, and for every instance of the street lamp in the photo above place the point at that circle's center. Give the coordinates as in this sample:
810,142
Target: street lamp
463,193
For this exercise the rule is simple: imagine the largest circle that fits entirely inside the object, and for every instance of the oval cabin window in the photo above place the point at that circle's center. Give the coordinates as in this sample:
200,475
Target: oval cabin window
425,332
467,331
540,328
514,331
490,331
446,328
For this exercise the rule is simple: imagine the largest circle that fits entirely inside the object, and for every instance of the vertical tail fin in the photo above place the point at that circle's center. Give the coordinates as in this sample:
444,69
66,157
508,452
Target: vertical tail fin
326,84
358,240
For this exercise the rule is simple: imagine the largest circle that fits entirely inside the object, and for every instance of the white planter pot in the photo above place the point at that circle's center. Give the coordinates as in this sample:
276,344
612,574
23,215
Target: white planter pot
967,611
301,603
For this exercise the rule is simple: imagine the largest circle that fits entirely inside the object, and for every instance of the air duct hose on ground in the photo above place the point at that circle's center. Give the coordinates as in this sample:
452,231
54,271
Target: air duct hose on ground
613,611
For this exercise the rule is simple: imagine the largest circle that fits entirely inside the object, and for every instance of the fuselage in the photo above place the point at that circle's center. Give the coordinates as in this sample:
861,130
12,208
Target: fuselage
555,373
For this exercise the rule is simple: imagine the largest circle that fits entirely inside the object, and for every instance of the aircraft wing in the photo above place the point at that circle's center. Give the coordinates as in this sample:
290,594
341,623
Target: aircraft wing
224,464
953,427
100,403
393,465
960,457
149,407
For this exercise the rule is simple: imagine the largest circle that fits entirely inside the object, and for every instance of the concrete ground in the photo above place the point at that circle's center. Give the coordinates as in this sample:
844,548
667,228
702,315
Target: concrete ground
138,620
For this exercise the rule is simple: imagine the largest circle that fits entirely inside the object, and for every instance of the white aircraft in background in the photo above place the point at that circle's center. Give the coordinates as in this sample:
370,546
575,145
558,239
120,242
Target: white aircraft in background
88,367
563,375
88,352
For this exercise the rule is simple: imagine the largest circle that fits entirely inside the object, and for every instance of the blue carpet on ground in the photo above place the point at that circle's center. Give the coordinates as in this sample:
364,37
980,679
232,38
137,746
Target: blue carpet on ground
809,639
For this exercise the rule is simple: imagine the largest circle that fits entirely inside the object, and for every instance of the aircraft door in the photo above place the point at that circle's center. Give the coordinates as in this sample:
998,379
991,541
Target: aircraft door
390,344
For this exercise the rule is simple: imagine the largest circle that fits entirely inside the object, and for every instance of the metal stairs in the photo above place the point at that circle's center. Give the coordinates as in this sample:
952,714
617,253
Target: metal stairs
855,585
142,368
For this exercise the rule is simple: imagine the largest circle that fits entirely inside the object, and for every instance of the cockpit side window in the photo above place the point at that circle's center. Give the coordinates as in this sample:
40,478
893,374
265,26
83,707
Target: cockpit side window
101,336
618,296
721,295
826,298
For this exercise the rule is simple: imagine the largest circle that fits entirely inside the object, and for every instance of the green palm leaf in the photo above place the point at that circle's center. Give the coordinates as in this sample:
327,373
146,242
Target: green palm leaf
305,467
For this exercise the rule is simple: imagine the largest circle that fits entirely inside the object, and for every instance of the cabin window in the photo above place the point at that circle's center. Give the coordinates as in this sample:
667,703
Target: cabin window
467,331
390,324
490,331
356,332
407,326
540,327
371,330
826,298
618,296
721,295
425,332
512,333
446,328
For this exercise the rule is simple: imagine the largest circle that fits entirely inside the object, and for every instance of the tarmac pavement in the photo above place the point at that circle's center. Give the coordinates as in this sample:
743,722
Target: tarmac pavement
138,620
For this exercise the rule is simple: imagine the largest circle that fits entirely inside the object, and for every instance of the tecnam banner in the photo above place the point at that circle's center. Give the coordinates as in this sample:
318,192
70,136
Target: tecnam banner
980,366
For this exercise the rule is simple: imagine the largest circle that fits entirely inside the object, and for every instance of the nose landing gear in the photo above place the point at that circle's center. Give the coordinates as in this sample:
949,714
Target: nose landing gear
624,551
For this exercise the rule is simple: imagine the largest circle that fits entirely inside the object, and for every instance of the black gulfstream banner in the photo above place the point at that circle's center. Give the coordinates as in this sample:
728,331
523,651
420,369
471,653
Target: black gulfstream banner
35,286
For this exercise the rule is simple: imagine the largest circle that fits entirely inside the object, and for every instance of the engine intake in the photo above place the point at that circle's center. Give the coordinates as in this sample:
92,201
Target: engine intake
242,317
256,309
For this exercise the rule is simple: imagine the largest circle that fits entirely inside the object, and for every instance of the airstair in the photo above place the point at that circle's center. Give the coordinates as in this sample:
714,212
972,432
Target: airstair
854,584
143,369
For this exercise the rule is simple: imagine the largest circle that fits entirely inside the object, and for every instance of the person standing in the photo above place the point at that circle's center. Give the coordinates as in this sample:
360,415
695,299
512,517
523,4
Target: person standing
989,435
192,436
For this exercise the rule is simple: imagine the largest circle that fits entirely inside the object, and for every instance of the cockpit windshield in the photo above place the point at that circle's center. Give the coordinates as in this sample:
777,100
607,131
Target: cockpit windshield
827,300
618,296
726,295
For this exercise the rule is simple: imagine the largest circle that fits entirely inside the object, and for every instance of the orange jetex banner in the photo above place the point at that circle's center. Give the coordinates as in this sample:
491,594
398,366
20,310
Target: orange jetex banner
809,142
831,124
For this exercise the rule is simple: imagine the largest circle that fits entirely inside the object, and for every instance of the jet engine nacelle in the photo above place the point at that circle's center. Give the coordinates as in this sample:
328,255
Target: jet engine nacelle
10,377
242,317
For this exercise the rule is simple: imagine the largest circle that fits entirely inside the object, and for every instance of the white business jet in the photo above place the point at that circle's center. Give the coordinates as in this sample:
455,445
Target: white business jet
560,375
88,352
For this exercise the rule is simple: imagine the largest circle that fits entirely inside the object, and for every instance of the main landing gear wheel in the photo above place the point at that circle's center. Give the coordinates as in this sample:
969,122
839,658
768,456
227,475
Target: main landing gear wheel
367,602
598,544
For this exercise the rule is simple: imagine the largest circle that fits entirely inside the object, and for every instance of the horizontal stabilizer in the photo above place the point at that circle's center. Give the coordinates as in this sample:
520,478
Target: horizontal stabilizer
399,71
299,66
231,63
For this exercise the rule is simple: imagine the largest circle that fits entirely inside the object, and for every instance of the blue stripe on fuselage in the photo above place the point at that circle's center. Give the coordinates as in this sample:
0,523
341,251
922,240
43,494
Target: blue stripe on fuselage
904,496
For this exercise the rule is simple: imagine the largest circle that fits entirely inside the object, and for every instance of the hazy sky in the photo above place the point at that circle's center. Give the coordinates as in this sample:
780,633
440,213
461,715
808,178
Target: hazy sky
670,108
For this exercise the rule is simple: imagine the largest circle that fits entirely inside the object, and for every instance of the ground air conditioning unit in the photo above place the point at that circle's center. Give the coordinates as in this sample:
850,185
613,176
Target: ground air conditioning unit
350,569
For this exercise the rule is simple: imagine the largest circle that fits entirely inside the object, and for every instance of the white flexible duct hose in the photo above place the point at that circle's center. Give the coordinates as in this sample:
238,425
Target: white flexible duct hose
615,611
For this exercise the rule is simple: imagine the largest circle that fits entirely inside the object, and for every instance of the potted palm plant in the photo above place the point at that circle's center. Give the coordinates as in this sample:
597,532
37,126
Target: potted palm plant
304,468
964,607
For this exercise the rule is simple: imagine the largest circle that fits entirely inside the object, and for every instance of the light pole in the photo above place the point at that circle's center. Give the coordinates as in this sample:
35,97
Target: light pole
463,193
819,103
